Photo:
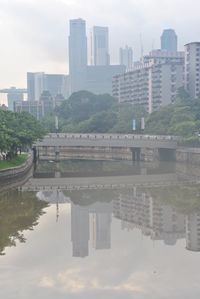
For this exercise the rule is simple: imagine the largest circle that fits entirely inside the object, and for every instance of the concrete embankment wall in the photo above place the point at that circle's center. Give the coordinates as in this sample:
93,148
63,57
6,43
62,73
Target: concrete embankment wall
94,153
188,155
14,176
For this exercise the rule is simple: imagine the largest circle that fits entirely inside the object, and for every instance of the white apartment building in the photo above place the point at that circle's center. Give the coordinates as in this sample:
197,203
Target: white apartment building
152,83
192,69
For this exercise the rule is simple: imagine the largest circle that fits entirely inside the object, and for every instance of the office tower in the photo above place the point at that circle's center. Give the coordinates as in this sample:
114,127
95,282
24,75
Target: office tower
192,69
100,46
77,54
169,40
31,86
57,84
99,78
126,57
35,85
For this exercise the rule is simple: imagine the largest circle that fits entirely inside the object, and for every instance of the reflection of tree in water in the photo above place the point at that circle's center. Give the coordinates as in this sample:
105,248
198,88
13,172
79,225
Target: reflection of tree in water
18,212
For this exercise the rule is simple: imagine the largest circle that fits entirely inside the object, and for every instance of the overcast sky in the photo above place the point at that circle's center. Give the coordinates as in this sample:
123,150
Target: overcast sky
34,33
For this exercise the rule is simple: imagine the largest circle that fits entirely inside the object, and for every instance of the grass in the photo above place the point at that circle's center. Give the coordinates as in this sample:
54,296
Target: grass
19,160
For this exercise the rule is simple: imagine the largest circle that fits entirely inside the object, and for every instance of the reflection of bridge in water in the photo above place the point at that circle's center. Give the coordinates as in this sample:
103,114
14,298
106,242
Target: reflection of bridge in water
94,183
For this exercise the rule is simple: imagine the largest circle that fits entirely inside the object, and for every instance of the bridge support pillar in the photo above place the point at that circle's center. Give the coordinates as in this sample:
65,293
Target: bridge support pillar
136,154
57,154
165,154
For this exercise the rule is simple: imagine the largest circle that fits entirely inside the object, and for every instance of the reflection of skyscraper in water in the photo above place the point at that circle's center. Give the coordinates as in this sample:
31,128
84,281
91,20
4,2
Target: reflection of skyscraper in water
79,230
102,230
193,232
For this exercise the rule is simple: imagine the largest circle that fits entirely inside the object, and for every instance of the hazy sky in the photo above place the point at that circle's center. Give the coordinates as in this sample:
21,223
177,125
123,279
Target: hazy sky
34,33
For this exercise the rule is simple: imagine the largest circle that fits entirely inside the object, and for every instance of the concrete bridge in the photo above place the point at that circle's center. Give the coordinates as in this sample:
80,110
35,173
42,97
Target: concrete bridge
100,146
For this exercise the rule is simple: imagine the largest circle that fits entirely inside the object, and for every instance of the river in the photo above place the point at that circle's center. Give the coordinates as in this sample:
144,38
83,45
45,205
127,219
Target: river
102,229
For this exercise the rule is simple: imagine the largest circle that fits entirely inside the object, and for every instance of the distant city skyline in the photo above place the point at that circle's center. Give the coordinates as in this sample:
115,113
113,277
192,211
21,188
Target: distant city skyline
36,32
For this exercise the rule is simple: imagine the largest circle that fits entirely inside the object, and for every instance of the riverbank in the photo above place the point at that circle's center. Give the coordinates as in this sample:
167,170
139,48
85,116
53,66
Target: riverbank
17,161
10,176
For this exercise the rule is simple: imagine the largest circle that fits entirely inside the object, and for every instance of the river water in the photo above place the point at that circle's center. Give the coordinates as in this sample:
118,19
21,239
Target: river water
129,231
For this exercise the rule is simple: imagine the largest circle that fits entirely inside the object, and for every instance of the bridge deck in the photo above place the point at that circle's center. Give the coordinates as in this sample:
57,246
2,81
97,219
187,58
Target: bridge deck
108,140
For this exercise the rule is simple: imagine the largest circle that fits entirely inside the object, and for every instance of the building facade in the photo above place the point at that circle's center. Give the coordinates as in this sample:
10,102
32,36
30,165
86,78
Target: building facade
169,41
39,109
99,78
192,69
100,46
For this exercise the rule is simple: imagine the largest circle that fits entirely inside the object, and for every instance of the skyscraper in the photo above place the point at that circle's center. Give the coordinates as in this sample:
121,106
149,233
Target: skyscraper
100,46
126,57
169,40
77,54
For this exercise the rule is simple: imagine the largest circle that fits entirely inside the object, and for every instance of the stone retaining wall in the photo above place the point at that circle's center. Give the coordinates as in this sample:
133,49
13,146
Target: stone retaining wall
188,155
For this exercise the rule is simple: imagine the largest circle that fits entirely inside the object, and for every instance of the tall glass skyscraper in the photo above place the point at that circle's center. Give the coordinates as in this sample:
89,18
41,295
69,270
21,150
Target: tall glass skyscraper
100,46
169,40
77,54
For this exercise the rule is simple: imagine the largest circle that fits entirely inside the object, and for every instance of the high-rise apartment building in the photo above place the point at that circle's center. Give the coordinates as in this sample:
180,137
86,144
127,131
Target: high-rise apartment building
100,46
192,69
126,57
169,40
152,83
77,54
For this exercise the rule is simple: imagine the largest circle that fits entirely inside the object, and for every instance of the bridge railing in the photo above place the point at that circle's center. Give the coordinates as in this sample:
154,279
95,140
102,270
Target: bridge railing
112,136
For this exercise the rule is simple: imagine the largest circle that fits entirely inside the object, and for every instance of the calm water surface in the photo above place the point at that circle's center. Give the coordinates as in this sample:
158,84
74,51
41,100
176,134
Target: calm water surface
139,241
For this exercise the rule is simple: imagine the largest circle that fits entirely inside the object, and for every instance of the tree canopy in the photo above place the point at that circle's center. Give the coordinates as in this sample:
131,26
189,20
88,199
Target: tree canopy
85,112
181,119
18,130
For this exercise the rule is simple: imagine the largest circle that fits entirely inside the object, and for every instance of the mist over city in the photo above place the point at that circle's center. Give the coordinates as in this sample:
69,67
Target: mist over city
99,149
